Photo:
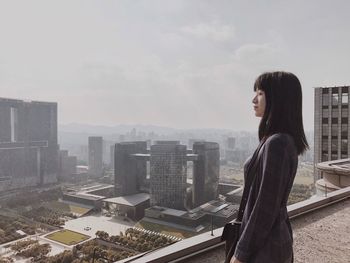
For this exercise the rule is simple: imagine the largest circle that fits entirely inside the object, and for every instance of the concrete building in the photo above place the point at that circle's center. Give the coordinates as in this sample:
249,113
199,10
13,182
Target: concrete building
231,143
95,156
131,206
335,175
67,165
195,220
192,141
28,143
167,183
168,162
90,196
111,156
206,172
130,171
331,132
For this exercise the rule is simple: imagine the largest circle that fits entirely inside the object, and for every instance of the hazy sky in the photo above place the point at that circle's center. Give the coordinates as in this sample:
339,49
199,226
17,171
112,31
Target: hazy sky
183,64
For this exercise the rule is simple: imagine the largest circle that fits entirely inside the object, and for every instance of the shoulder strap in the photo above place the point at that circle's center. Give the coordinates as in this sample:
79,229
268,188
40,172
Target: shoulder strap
251,170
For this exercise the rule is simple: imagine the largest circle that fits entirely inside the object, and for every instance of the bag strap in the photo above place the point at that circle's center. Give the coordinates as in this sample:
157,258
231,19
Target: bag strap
251,170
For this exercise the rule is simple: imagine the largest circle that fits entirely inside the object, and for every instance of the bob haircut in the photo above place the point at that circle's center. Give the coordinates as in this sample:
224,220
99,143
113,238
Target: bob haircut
283,111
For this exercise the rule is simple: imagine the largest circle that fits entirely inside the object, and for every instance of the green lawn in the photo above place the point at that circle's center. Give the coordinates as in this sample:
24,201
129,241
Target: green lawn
67,237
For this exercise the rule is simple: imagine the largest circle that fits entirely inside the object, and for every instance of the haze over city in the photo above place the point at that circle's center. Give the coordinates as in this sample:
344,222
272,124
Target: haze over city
182,64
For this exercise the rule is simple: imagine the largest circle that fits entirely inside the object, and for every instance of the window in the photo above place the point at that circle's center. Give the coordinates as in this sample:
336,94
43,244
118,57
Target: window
334,131
334,145
325,146
325,130
335,99
324,120
344,98
344,145
344,130
334,157
335,113
325,99
325,113
344,113
324,157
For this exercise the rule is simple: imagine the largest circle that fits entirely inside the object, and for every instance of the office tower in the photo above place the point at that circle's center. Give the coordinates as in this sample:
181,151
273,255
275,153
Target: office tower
28,143
168,164
206,171
230,152
67,165
192,141
95,156
111,156
331,132
230,143
129,171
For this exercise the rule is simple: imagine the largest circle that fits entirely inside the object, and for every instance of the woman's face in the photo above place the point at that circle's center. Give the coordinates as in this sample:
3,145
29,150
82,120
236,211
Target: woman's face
259,103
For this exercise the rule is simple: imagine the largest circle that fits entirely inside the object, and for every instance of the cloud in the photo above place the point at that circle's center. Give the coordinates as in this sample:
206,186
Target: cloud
255,52
214,31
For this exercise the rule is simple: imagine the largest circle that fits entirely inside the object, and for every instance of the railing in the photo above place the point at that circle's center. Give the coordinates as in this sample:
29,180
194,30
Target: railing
199,244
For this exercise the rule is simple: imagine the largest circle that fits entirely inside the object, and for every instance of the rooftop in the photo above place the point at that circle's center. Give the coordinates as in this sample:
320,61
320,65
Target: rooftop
321,226
129,200
321,236
341,166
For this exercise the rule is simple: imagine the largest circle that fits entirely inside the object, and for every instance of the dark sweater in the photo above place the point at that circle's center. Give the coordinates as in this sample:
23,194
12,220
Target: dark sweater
266,234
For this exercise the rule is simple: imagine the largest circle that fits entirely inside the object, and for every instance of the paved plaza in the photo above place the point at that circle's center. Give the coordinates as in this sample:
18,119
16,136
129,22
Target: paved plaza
89,225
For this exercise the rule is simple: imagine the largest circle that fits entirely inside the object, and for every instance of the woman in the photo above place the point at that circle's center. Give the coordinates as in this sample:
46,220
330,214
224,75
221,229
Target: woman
265,233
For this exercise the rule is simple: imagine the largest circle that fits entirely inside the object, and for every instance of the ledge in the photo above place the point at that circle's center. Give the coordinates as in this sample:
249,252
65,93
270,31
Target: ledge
206,241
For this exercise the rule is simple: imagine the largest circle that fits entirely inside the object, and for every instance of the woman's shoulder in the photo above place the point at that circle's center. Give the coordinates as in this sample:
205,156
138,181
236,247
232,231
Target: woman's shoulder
279,137
278,140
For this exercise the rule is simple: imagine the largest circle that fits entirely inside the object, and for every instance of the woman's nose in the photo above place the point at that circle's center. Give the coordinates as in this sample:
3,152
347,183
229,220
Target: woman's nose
254,100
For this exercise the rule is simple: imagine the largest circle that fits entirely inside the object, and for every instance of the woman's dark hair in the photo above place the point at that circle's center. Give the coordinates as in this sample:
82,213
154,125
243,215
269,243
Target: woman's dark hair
283,111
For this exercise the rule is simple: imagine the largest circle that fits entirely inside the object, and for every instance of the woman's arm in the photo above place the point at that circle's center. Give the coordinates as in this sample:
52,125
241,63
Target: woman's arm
274,179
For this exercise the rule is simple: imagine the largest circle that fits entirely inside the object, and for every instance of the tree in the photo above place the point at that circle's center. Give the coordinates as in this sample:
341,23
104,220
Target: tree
102,235
6,260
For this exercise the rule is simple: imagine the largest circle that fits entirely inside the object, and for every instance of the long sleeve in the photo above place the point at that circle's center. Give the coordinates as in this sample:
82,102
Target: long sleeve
274,174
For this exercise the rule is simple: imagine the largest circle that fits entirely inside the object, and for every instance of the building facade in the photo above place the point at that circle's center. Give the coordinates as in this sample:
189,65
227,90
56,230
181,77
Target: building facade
67,166
335,175
28,143
168,172
331,131
167,182
95,156
206,172
130,171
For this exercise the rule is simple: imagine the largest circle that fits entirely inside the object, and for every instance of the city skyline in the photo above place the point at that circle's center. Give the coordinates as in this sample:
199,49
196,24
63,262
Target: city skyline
179,64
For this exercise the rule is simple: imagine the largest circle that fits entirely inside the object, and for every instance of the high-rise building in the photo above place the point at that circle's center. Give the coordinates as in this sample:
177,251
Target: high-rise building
231,143
331,132
167,183
95,156
111,156
168,165
206,171
67,165
129,171
28,143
